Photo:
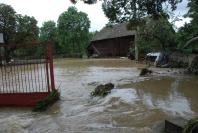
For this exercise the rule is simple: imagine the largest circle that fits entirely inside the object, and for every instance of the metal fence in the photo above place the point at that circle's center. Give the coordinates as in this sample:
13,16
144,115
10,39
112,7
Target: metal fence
26,73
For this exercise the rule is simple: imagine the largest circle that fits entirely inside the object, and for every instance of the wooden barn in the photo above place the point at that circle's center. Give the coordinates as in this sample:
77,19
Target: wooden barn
112,41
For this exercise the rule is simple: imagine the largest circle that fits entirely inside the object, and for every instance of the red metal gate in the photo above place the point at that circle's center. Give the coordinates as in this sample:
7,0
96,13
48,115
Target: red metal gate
26,73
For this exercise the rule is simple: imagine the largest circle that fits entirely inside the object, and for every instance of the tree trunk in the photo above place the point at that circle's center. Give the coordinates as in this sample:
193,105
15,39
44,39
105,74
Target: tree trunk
190,41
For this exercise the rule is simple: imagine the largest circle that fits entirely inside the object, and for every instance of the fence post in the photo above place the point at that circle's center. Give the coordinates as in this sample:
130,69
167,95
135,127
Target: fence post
51,65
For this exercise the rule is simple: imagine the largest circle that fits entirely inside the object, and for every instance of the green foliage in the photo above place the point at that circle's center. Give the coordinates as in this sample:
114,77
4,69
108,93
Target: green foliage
156,35
73,31
134,10
7,22
191,125
15,27
192,12
45,103
26,29
48,31
189,31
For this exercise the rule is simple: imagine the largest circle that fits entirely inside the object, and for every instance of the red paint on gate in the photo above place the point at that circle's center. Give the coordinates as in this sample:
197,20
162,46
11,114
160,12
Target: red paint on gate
34,84
21,99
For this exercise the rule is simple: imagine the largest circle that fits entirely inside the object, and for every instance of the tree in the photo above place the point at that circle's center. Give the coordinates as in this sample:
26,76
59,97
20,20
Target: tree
73,31
188,34
48,31
125,10
192,12
7,22
17,28
26,29
157,35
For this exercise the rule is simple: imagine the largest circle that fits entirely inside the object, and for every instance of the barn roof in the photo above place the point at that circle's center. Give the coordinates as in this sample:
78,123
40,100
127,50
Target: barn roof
115,31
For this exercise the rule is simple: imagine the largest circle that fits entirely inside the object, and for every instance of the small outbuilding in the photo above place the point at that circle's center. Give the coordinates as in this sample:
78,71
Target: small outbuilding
112,41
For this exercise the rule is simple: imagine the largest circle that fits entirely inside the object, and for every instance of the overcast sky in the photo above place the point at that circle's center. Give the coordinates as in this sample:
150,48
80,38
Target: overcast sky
44,10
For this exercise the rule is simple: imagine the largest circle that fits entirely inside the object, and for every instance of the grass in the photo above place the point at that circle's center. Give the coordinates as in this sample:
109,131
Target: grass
42,105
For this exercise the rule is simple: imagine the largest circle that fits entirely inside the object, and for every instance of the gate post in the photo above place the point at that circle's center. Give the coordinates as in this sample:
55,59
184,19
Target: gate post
51,65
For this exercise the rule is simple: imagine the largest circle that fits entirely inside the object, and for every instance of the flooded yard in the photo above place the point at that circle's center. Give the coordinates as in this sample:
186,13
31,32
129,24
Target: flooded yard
136,104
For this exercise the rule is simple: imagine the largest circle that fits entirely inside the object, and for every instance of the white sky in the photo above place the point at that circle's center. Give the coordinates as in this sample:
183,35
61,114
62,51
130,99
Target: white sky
44,10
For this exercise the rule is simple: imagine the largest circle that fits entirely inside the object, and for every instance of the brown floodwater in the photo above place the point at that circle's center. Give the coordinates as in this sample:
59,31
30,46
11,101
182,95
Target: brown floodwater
136,104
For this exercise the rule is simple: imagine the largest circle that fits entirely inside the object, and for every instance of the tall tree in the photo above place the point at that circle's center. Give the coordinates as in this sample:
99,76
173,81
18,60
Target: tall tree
193,11
157,35
7,22
73,31
48,31
26,29
188,34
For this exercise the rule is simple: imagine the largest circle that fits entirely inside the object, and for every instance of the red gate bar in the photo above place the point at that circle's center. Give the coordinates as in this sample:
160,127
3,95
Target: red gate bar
28,78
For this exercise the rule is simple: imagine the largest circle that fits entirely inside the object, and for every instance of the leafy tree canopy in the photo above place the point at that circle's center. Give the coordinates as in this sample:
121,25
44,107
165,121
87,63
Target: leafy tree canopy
193,11
73,30
124,10
156,35
7,22
15,27
48,31
26,29
190,30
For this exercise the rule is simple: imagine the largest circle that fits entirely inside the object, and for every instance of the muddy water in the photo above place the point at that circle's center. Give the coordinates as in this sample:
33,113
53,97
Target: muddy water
135,105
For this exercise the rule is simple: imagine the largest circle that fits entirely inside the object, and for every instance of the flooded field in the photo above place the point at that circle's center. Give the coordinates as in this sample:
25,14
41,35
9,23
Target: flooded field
136,105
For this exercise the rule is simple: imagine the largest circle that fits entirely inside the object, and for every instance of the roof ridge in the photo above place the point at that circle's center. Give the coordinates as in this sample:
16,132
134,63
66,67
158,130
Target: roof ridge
117,30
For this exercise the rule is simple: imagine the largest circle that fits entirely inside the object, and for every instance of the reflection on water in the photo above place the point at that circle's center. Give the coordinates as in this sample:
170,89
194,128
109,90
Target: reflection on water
135,105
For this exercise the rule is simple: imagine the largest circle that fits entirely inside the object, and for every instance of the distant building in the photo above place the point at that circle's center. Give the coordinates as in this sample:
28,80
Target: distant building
1,38
113,41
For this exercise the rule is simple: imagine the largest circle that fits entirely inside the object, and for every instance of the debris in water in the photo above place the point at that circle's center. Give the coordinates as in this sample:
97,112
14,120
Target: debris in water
102,90
145,71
